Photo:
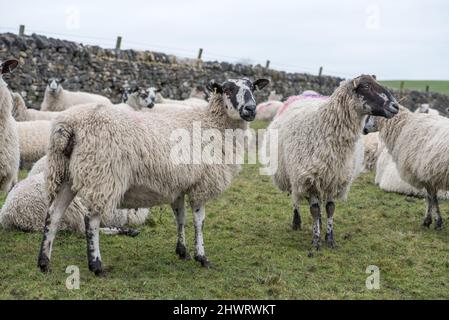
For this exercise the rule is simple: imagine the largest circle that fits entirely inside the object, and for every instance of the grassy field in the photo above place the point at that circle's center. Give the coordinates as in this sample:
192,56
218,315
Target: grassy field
436,86
254,251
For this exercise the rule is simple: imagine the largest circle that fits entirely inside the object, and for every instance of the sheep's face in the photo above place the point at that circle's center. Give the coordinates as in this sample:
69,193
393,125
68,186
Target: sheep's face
376,99
424,108
147,97
238,96
370,125
54,85
7,67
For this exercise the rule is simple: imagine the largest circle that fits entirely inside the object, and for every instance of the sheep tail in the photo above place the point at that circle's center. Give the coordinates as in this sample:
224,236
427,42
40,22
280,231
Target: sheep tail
62,141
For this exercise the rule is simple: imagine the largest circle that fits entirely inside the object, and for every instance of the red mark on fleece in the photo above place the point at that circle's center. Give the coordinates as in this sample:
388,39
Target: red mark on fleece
292,99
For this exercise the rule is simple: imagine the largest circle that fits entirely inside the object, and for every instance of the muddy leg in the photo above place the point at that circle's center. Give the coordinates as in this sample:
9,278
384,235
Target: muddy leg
436,209
428,217
179,212
54,214
314,204
330,208
296,223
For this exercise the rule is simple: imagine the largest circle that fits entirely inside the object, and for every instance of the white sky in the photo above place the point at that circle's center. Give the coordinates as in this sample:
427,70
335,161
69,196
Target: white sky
400,39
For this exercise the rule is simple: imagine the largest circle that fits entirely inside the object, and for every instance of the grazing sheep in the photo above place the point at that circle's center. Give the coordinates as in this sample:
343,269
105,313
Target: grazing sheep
421,159
372,150
20,111
9,140
26,206
110,158
34,137
56,98
318,147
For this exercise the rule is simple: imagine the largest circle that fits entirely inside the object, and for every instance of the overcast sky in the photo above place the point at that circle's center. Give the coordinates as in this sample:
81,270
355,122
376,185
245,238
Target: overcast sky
401,39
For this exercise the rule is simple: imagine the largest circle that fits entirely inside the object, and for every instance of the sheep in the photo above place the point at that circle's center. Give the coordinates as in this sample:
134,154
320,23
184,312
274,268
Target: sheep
274,96
22,113
139,99
267,110
308,97
387,176
425,108
27,203
421,159
34,137
56,98
318,146
372,151
192,101
131,159
9,139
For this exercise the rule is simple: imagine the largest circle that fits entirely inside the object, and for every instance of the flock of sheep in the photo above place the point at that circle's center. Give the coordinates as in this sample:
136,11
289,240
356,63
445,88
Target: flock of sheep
99,166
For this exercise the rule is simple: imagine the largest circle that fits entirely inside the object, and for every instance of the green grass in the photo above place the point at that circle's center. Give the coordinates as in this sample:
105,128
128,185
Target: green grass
254,251
435,86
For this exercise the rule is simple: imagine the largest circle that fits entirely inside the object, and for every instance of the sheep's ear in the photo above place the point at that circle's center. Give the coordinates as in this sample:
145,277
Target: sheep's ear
62,80
374,76
259,84
9,65
214,87
355,83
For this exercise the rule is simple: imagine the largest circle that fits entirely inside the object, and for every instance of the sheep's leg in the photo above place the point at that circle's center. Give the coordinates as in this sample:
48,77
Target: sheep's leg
92,223
121,231
296,223
428,217
330,208
199,214
180,215
314,204
438,219
54,214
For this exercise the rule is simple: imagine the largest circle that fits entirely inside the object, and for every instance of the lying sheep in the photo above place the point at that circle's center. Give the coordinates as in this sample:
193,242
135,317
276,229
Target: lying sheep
425,108
22,113
9,140
56,98
421,159
131,159
26,206
318,147
33,139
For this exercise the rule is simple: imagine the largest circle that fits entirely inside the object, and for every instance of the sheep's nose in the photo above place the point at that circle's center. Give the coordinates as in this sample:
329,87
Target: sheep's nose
249,108
394,107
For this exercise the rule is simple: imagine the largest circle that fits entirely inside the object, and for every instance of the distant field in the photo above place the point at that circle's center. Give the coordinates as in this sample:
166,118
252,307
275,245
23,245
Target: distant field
436,86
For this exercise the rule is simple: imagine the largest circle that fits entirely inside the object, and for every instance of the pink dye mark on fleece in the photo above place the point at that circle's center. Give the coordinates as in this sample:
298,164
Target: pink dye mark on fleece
303,96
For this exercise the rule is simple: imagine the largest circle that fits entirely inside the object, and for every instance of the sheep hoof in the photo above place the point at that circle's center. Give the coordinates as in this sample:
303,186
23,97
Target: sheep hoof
95,267
438,224
204,261
181,251
44,264
296,226
427,222
330,240
133,233
100,273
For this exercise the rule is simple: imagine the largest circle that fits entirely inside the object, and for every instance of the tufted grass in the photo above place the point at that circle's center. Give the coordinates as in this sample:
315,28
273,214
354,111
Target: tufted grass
255,253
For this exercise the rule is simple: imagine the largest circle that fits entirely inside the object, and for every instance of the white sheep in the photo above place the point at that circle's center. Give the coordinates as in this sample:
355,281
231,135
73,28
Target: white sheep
26,206
425,108
372,150
9,140
274,96
267,110
319,147
20,111
419,147
193,101
135,159
139,99
56,98
34,137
